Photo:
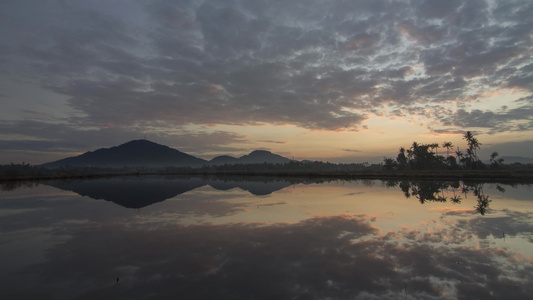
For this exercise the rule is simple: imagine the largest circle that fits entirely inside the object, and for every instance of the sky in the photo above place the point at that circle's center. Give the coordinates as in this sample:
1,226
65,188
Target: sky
332,80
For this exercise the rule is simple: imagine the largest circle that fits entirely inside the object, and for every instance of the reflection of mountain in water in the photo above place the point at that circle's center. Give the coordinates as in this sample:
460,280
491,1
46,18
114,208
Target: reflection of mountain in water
258,188
130,192
134,192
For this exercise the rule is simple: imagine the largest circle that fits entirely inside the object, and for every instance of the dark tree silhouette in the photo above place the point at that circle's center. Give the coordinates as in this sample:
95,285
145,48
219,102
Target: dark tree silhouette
495,162
448,146
426,156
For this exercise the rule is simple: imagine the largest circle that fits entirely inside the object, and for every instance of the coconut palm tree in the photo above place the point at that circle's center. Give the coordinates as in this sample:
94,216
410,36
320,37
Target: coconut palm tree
460,155
434,147
448,146
473,145
495,162
468,136
402,159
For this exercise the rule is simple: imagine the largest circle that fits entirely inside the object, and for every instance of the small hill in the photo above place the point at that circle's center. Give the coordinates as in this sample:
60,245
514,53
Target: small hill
137,153
223,160
517,159
254,157
263,156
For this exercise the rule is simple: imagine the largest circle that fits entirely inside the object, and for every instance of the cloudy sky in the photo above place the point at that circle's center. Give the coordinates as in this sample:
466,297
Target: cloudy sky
343,81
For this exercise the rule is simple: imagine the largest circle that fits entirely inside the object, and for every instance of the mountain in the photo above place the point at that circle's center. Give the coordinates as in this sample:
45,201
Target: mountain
517,159
255,157
263,156
224,160
137,153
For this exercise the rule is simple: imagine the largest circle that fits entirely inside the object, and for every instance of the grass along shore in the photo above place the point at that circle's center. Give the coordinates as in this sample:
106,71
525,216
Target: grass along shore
522,174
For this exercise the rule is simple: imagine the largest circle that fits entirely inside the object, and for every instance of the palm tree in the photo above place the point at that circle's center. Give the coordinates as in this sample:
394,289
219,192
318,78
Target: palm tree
460,155
409,154
473,144
493,156
434,146
468,136
448,146
495,162
414,146
401,158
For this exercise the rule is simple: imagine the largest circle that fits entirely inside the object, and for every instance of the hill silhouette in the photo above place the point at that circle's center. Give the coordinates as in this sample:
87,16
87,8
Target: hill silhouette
147,154
262,156
136,153
255,157
517,159
223,160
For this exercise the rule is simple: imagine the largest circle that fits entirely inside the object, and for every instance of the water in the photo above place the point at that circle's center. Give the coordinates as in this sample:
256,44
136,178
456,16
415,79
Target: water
264,238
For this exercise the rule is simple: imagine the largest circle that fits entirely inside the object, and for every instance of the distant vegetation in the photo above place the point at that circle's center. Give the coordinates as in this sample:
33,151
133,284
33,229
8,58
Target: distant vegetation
144,157
26,171
425,157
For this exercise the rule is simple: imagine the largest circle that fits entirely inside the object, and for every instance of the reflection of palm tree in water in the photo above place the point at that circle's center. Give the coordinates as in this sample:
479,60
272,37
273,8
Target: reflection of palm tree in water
434,191
456,199
482,201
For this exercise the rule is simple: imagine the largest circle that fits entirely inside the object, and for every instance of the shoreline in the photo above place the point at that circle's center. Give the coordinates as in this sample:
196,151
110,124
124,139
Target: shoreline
482,175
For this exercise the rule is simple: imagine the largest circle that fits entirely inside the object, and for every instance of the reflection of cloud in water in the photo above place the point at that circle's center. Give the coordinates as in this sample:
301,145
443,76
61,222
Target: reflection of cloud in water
339,257
353,194
160,251
202,204
506,223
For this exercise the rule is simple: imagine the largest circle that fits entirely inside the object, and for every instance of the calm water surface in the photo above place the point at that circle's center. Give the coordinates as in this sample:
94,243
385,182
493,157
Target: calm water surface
198,238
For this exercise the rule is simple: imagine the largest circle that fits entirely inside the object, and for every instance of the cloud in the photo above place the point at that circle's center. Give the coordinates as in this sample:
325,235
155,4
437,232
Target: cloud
315,64
351,150
517,119
66,137
273,142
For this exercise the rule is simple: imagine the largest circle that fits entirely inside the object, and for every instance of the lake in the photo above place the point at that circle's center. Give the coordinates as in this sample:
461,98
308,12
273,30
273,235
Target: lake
265,238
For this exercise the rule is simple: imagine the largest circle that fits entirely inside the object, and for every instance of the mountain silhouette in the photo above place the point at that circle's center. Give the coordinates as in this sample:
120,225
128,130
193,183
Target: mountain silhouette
255,157
517,159
223,160
137,153
263,156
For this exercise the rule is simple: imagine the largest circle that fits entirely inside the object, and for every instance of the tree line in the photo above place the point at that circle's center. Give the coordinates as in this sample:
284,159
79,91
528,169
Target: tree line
425,156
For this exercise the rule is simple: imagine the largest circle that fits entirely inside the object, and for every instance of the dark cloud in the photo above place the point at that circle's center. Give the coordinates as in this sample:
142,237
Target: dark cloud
65,137
505,120
318,65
